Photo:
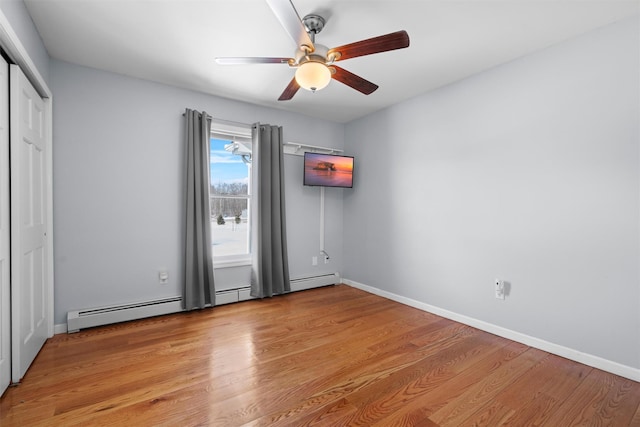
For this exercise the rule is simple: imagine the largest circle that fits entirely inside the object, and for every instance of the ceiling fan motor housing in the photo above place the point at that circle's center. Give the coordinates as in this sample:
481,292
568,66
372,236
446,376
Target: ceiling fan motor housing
314,24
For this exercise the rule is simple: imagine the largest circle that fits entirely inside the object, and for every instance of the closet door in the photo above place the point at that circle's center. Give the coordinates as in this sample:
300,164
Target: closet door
5,261
29,263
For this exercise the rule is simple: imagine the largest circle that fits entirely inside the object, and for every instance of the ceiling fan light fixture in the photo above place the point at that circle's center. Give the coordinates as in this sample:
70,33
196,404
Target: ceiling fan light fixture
313,76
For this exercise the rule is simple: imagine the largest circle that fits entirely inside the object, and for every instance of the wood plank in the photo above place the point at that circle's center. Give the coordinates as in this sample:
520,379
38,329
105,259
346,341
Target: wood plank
329,356
601,399
635,422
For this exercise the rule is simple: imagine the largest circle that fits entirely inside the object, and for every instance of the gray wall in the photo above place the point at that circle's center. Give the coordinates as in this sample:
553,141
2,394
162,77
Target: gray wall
18,16
528,172
117,183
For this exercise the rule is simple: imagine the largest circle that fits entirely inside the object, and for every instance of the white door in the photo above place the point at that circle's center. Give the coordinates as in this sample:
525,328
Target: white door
29,264
5,260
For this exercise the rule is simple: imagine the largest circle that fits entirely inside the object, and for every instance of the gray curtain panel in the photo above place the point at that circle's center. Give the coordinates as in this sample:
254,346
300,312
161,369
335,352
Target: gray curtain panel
270,265
199,291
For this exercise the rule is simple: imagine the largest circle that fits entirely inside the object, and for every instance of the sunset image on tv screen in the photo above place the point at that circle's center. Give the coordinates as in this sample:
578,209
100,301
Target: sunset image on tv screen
328,170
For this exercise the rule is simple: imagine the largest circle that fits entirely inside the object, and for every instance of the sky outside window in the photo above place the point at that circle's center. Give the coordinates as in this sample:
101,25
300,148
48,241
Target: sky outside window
226,167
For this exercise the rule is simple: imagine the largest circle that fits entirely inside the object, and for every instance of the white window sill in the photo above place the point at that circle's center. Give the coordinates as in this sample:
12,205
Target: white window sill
245,262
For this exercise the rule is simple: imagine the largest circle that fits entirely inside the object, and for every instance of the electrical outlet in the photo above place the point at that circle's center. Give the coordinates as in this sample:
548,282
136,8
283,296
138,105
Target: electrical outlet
314,260
499,288
163,277
326,259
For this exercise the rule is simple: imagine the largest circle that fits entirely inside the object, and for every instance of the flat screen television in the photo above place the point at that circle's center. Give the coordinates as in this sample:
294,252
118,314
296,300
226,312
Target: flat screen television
328,170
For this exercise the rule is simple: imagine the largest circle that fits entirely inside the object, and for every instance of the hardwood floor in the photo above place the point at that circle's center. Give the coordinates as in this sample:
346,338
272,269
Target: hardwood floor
329,356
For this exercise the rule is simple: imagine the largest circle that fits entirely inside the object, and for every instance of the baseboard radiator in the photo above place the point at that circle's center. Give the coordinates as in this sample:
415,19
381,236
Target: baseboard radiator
303,283
298,284
91,317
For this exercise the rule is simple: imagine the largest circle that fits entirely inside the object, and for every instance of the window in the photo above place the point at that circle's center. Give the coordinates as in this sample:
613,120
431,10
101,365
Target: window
230,197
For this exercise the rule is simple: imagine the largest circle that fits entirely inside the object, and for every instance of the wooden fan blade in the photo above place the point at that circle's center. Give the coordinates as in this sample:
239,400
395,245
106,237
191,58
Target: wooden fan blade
251,60
392,41
352,80
286,13
290,90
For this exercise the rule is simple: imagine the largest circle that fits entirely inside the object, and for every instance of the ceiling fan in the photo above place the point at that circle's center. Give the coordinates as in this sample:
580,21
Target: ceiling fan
315,63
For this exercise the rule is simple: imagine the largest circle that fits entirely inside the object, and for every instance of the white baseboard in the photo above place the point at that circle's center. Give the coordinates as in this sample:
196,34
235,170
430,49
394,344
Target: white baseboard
60,329
568,353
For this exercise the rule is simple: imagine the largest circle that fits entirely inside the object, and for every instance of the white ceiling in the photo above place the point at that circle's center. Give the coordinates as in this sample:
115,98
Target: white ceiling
175,42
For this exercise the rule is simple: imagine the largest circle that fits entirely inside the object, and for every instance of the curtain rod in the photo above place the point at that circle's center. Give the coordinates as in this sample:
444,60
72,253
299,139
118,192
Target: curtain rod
232,123
229,122
208,116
